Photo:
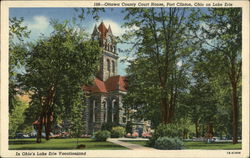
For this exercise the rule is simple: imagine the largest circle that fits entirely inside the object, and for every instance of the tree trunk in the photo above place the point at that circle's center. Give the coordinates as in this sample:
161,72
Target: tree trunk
209,130
235,113
165,111
196,129
49,109
47,127
39,131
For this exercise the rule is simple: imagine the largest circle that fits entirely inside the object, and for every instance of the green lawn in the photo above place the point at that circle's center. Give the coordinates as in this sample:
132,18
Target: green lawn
61,144
219,146
197,145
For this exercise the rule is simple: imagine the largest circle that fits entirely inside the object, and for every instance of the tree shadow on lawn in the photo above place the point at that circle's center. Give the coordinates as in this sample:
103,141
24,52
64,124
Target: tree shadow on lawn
212,146
44,148
19,142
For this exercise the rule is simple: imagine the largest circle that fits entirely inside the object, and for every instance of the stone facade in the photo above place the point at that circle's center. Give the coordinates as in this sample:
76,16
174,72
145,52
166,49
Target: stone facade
104,102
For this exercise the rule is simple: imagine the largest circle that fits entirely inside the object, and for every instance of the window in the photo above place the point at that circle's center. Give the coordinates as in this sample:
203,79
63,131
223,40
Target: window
113,110
108,64
109,39
110,48
113,66
105,107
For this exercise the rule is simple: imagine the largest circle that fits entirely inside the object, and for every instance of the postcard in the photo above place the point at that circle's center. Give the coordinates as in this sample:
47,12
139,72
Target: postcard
124,78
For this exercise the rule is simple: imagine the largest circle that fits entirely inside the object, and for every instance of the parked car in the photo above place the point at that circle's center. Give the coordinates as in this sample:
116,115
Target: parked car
34,133
215,139
21,135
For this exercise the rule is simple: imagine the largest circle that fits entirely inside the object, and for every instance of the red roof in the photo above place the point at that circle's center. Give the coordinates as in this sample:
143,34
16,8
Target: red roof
102,28
113,83
98,86
116,82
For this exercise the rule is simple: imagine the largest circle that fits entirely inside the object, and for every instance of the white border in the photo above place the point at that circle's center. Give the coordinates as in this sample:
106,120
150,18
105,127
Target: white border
5,5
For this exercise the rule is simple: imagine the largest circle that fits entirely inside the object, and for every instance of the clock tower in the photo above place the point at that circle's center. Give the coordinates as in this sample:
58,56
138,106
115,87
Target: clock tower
107,42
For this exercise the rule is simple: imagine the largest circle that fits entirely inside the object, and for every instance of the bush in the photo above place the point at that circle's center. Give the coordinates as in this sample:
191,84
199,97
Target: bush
129,127
102,136
168,143
164,130
117,132
107,126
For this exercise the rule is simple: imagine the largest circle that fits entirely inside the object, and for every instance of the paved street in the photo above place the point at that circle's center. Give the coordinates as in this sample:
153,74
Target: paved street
129,145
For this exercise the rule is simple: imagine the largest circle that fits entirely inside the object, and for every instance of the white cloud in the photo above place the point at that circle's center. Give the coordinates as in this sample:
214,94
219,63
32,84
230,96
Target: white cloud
38,23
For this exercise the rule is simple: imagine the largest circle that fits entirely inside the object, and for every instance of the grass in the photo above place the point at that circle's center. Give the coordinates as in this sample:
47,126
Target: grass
214,146
61,144
197,145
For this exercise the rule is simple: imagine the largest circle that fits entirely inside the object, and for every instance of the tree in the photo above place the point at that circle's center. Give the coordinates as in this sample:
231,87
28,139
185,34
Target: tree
76,116
17,117
17,34
221,34
56,69
161,47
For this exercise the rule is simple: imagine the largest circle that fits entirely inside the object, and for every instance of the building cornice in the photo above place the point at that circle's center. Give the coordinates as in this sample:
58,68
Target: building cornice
110,54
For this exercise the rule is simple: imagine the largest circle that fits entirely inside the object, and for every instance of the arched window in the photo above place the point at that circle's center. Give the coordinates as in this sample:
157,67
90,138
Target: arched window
113,66
108,64
110,48
105,109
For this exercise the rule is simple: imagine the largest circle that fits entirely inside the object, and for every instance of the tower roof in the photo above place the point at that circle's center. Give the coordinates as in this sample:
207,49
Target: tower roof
103,29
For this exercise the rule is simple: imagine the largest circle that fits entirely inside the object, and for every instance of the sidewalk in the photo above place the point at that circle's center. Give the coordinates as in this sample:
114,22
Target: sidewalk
129,145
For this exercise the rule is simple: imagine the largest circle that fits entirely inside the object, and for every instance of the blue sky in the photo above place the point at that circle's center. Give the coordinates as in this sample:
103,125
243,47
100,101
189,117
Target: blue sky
37,20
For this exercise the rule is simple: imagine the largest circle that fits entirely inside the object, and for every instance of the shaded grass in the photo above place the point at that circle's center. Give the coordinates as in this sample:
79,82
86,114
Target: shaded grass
214,146
61,144
198,145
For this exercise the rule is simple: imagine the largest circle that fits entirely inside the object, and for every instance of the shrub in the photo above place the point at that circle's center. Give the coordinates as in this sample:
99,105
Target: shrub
129,127
164,130
117,132
168,143
102,135
107,126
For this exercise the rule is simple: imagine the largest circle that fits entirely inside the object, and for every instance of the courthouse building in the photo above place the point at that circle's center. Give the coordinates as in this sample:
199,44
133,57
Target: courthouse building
104,102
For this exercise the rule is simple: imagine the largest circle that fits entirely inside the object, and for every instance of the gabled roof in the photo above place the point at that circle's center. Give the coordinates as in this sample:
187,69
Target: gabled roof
103,29
116,83
98,86
111,84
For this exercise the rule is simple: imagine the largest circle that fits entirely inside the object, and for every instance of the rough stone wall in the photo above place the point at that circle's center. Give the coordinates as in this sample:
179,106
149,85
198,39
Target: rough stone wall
112,58
118,111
